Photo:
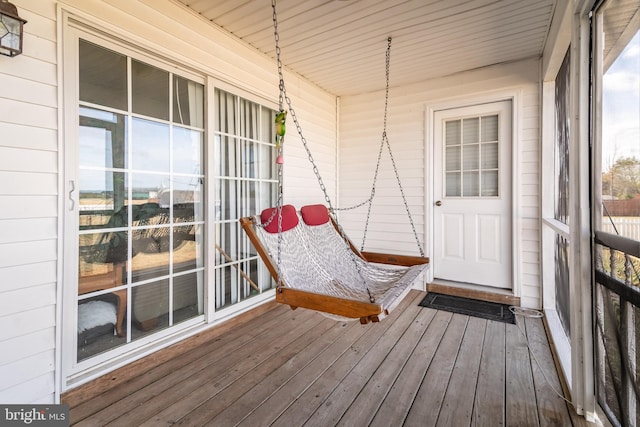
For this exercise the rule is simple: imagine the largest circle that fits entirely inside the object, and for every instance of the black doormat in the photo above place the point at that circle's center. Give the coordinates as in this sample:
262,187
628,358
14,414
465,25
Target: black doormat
470,307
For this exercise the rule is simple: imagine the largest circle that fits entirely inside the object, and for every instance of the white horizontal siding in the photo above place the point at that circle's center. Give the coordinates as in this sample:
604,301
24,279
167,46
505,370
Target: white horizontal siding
29,229
360,131
25,322
29,275
15,135
37,93
28,368
316,112
27,183
529,192
27,298
26,345
26,113
28,211
30,69
28,206
37,390
27,160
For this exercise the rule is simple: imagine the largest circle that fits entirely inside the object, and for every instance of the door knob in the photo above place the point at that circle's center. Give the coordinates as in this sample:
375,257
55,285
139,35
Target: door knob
438,203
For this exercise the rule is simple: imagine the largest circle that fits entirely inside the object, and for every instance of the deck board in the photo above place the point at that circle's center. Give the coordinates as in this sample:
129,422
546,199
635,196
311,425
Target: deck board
185,379
428,400
372,395
402,394
299,410
521,398
275,404
255,397
552,409
136,392
488,409
457,405
215,395
291,368
337,403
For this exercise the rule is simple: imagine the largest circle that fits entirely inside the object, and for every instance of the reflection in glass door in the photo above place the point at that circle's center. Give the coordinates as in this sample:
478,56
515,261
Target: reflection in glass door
141,214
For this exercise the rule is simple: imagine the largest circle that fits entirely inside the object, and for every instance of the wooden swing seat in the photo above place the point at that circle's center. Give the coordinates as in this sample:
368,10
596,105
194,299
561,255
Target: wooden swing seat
314,273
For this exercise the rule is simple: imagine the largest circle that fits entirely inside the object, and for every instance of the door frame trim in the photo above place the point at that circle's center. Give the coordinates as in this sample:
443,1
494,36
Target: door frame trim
514,95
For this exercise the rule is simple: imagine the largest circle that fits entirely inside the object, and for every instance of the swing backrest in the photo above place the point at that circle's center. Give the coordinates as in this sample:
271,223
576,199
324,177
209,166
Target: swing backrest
312,257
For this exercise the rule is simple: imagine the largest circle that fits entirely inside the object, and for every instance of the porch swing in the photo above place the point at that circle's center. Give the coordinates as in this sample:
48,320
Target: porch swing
307,252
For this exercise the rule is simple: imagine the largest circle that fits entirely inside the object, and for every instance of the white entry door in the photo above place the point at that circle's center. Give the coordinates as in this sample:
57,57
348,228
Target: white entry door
472,195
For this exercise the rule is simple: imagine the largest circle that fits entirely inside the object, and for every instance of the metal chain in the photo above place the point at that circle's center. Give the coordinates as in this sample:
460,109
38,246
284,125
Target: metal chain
384,135
285,97
385,141
404,199
280,150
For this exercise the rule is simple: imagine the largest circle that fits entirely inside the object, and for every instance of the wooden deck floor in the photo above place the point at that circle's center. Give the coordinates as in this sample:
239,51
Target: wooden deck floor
418,367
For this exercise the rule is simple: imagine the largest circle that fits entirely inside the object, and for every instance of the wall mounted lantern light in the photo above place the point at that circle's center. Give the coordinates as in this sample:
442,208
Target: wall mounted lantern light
10,29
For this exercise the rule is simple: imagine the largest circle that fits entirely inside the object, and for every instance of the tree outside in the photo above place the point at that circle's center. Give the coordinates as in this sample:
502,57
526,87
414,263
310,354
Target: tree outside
622,180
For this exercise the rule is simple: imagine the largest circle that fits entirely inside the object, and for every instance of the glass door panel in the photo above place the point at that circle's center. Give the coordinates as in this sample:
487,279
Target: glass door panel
141,212
246,183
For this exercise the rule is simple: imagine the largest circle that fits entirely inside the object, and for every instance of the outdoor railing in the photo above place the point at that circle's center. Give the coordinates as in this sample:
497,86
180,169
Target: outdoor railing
617,326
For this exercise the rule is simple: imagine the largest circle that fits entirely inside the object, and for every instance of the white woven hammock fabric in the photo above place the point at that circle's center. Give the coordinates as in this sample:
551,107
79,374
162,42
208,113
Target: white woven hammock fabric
316,259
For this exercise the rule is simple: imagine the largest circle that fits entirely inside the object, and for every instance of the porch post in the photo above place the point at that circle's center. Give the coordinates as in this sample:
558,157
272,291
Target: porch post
580,280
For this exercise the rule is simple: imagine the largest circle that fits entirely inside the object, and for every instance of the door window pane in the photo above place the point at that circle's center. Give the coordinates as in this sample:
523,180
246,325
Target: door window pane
471,130
471,184
150,87
475,159
150,307
188,102
561,246
489,184
489,125
102,140
453,158
489,156
150,145
452,186
453,132
187,151
471,156
103,76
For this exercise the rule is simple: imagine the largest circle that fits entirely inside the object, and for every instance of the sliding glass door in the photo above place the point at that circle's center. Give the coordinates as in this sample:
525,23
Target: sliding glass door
140,199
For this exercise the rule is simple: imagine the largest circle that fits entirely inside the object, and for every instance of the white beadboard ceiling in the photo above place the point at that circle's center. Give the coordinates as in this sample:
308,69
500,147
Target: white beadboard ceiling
340,44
